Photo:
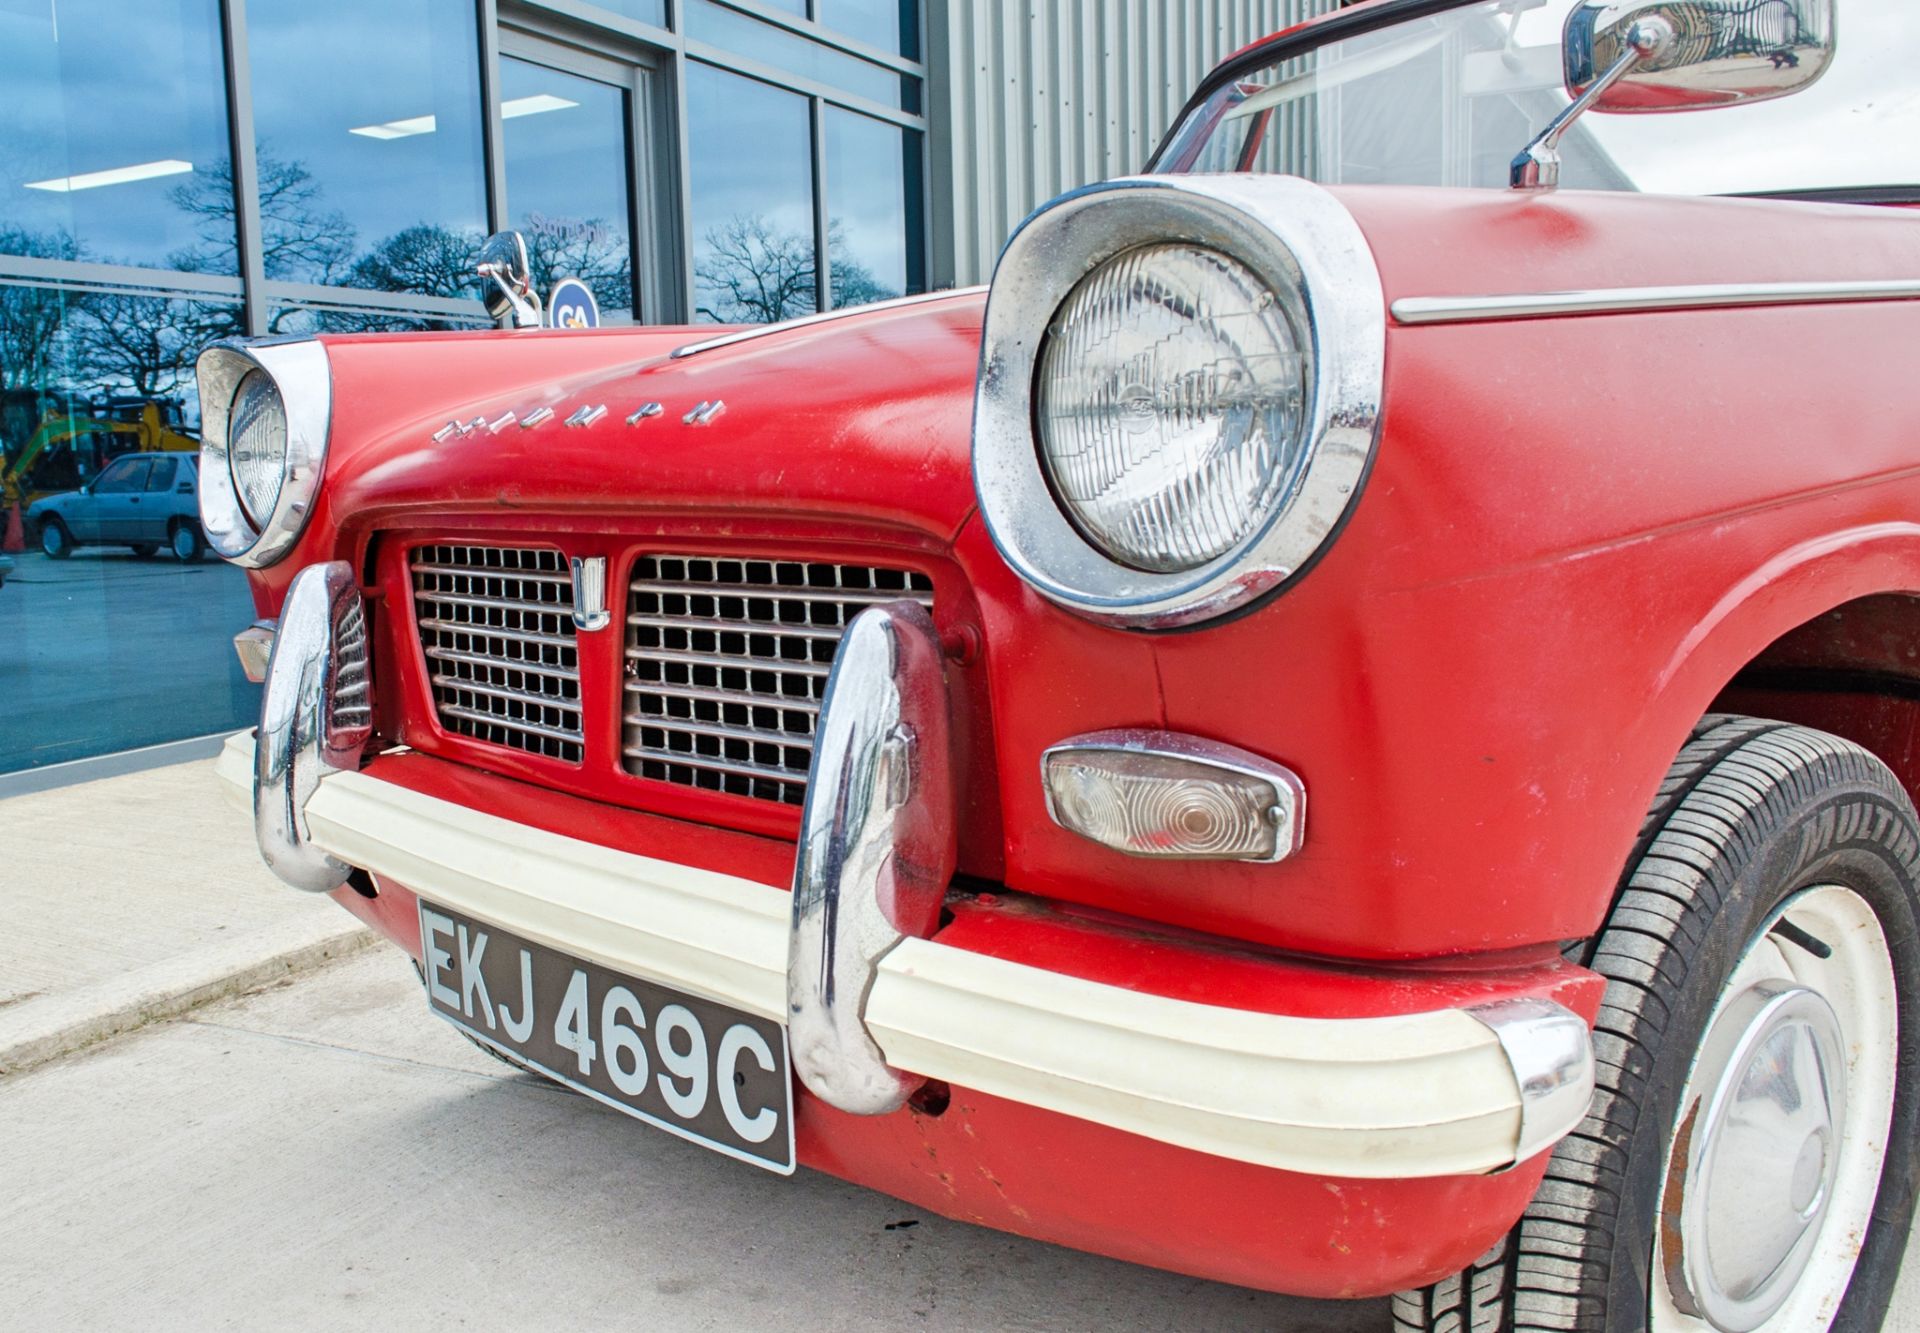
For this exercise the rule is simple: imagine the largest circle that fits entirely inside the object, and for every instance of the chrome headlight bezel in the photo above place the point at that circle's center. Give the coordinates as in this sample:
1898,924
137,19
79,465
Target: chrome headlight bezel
1297,238
301,372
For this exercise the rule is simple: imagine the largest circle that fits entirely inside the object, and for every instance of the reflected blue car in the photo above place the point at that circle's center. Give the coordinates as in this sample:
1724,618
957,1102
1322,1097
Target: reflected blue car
145,501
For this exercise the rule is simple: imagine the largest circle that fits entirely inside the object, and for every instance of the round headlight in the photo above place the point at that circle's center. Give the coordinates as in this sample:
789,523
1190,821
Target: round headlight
1179,393
1171,406
257,452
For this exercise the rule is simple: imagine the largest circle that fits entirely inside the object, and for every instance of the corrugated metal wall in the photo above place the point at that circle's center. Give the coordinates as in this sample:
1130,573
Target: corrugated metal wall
1031,98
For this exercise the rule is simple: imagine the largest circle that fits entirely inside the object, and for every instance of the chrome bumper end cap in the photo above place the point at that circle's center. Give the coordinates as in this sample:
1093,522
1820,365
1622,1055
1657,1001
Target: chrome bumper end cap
1550,1052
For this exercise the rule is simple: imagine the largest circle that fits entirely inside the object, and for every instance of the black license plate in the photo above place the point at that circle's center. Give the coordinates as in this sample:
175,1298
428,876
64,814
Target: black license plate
702,1070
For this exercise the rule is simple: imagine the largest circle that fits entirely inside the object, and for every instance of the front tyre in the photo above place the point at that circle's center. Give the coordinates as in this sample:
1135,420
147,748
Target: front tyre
1748,1160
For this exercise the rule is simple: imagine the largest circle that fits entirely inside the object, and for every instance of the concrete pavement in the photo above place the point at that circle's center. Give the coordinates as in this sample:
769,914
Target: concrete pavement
326,1155
134,898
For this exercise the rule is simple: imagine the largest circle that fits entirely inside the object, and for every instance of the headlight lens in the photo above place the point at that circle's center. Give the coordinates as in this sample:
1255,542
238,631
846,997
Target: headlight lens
257,452
1171,405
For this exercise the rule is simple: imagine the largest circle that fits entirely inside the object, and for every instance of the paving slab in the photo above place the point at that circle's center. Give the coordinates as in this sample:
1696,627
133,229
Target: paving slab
134,897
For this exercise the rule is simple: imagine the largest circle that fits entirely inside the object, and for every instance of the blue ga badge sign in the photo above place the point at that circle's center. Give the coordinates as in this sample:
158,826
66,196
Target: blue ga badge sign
571,306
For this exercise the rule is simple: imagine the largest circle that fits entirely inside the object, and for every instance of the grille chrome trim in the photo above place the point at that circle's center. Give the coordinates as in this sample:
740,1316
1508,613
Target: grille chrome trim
746,697
531,728
763,592
735,626
783,665
759,772
498,622
506,692
512,636
525,576
727,660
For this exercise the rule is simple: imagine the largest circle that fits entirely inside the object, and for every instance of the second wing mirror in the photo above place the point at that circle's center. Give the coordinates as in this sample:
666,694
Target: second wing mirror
509,294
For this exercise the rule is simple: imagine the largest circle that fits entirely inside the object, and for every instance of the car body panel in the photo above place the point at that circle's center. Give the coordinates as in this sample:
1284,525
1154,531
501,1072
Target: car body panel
1445,817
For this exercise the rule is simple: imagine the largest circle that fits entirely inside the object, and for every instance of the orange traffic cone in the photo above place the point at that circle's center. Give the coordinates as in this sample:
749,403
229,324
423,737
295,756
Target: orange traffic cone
16,538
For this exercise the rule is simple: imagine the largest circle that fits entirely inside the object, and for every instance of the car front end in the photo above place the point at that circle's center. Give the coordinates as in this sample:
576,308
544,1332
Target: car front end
696,667
1106,758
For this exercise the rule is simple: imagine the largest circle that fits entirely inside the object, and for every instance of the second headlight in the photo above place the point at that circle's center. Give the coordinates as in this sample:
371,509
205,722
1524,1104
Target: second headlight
265,413
257,448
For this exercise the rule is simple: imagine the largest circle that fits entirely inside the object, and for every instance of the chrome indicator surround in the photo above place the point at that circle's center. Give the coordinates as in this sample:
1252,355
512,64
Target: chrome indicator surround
1286,808
1297,238
876,853
316,716
1470,309
300,370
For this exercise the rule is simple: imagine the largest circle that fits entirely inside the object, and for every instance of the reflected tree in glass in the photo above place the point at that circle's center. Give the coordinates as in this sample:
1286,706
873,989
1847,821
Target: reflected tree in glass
300,239
752,272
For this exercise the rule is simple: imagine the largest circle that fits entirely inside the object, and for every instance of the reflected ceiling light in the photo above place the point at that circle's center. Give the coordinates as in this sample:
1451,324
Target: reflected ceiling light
114,176
533,106
397,129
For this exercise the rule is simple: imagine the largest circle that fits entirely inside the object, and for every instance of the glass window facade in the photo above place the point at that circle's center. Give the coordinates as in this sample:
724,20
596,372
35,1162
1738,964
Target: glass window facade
891,25
569,179
372,164
115,135
873,208
750,164
776,46
367,130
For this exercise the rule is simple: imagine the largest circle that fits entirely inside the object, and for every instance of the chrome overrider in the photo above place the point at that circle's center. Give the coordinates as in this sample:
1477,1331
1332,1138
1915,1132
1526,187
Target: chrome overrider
876,849
873,1004
316,715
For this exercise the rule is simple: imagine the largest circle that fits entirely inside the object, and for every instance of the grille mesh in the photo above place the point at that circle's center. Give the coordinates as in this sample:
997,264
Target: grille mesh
496,624
727,661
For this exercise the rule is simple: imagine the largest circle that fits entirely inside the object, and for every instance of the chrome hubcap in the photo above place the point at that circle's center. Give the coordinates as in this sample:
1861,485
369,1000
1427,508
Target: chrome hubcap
1759,1164
1775,1158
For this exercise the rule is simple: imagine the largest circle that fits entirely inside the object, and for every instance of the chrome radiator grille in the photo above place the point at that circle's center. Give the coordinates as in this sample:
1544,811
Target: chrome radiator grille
727,661
496,624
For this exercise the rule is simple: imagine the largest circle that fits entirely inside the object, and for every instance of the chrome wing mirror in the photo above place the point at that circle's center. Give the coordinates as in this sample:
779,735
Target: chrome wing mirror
1640,56
509,294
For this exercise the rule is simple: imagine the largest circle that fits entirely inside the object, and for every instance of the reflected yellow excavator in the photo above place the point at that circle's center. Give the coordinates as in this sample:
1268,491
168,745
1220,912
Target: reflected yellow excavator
68,448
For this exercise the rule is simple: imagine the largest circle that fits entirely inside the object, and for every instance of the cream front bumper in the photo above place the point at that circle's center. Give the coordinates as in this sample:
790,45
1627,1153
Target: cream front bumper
1452,1091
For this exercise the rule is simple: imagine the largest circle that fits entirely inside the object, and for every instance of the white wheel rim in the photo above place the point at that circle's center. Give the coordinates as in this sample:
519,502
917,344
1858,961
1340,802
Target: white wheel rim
182,543
1834,1019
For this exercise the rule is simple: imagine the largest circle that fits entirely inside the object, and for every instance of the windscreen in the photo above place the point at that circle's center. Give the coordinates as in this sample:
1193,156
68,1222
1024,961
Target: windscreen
1450,99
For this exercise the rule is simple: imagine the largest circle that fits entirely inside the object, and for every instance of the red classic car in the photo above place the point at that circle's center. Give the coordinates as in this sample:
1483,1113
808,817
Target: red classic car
1347,727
